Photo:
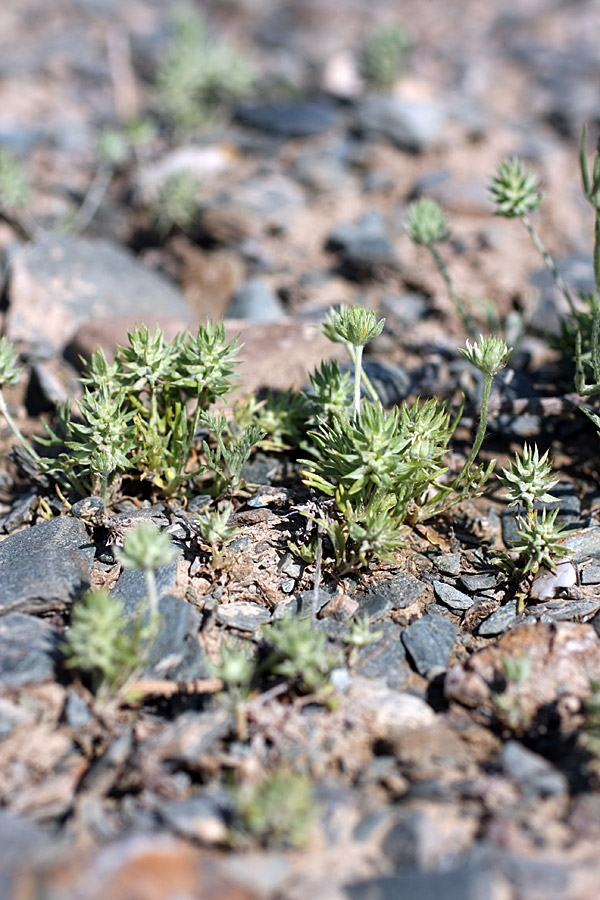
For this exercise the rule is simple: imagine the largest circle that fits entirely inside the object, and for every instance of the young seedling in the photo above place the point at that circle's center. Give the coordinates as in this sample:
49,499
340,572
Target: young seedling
299,654
10,373
355,327
384,56
104,645
279,811
147,548
213,528
236,670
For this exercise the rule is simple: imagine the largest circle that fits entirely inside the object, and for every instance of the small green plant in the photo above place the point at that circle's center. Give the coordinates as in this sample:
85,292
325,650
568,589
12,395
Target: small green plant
236,670
178,203
279,811
200,75
147,548
355,327
590,732
385,55
507,704
102,644
528,480
15,190
140,414
299,653
360,636
384,469
213,528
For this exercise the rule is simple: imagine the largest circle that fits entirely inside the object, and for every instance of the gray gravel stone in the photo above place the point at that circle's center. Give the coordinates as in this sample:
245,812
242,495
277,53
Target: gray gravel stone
363,245
288,119
396,592
243,614
429,642
201,817
448,563
584,544
46,567
535,775
131,585
590,575
80,279
466,883
385,659
176,652
500,620
76,711
475,583
452,597
408,124
256,301
29,648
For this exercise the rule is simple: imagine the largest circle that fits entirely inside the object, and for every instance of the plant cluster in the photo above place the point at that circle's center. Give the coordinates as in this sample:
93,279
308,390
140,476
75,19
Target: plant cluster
539,539
382,470
278,811
385,55
200,75
139,415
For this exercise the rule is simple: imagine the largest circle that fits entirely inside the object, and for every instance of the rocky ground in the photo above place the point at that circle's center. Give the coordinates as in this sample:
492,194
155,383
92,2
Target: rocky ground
433,769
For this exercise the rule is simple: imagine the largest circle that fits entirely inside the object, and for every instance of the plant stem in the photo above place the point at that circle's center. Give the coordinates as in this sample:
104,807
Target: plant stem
151,592
464,314
550,264
357,354
485,397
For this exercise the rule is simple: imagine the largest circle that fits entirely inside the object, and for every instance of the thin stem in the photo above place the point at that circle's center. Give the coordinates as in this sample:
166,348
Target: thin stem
550,264
485,397
92,199
464,314
358,352
17,431
151,592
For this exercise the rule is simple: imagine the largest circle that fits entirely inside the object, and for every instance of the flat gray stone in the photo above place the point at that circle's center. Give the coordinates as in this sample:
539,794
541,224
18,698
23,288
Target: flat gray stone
590,575
244,614
411,125
583,545
57,283
256,301
29,648
535,775
500,620
386,659
45,568
479,582
452,597
429,642
131,585
396,592
289,119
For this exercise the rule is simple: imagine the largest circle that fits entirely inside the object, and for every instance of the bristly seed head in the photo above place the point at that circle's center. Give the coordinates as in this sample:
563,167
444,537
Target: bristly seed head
515,189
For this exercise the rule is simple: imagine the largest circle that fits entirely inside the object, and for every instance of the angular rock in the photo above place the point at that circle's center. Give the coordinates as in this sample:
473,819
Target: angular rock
257,302
46,567
363,245
396,592
535,775
57,283
201,817
500,620
476,583
243,614
29,649
385,659
452,597
467,883
429,642
288,119
408,124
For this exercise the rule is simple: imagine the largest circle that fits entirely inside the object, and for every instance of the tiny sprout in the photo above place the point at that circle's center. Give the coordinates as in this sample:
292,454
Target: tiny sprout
515,189
213,528
146,547
9,370
490,355
426,223
529,478
539,541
